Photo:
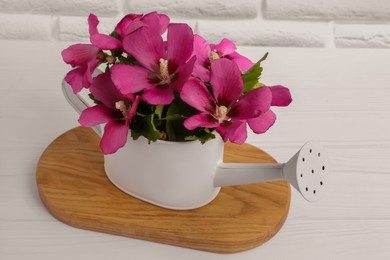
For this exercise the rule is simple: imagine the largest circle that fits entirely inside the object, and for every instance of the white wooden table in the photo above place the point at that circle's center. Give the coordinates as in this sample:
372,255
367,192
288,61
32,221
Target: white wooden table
341,98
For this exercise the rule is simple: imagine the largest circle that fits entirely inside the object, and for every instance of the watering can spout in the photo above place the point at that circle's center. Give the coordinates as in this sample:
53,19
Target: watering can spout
307,171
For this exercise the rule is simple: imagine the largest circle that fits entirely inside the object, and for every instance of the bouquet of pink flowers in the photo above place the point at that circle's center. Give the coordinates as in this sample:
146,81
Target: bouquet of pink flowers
178,89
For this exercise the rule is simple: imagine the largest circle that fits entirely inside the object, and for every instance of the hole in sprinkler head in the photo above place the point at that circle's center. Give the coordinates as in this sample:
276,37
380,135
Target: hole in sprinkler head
307,188
303,159
314,191
323,168
312,171
321,183
319,154
310,150
301,175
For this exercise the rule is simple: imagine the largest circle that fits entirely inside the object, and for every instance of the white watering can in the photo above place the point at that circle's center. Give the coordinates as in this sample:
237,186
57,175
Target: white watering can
188,175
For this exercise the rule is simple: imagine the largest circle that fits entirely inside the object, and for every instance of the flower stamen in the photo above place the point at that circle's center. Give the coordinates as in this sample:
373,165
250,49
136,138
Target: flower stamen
121,106
110,59
164,72
221,112
214,56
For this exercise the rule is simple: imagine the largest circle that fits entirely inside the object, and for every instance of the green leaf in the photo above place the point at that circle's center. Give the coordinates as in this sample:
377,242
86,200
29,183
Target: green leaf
174,117
115,34
177,112
207,136
97,102
145,126
251,77
128,60
258,85
159,110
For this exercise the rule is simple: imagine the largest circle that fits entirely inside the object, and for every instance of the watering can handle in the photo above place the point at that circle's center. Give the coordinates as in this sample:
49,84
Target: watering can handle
77,102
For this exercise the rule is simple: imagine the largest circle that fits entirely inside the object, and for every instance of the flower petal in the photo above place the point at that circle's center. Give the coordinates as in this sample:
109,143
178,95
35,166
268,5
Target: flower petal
89,71
132,27
114,137
146,46
280,96
263,122
239,136
200,120
225,47
133,109
196,94
95,115
129,78
105,42
180,43
202,63
77,79
226,81
235,131
182,74
104,90
201,72
93,22
158,96
252,104
102,41
158,22
80,54
201,51
243,63
126,21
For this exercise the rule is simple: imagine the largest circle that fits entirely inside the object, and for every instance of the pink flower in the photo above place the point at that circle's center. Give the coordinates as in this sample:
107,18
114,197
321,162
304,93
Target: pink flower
280,97
224,109
102,41
132,22
85,57
115,110
206,54
163,70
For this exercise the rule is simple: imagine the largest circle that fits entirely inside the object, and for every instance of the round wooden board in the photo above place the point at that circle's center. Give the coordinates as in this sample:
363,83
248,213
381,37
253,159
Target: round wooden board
74,188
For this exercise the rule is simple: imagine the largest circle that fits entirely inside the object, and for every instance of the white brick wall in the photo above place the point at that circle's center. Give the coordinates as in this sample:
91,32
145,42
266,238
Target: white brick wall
362,35
25,27
266,33
60,7
297,23
328,9
198,8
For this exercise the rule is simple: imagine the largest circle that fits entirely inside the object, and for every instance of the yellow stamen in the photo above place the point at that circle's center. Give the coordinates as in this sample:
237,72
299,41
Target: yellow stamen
110,59
121,106
214,56
221,114
164,72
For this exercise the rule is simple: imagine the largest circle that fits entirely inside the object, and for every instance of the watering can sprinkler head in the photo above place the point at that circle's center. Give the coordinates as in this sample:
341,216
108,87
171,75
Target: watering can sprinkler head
307,171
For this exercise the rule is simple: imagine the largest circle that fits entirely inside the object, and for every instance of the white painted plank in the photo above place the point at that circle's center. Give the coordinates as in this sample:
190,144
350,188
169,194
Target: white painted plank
321,239
331,126
339,100
359,157
323,68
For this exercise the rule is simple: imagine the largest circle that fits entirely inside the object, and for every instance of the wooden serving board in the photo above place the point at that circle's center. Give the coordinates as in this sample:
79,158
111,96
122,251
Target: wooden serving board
74,188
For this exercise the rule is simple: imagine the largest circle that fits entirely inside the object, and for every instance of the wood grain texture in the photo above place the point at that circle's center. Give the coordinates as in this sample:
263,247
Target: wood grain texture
73,186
